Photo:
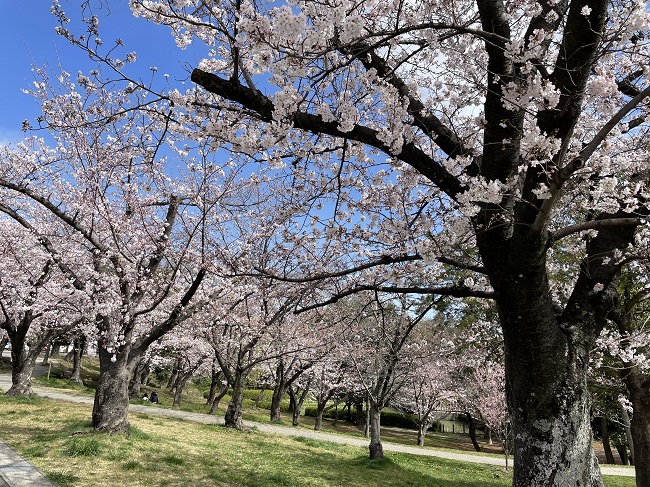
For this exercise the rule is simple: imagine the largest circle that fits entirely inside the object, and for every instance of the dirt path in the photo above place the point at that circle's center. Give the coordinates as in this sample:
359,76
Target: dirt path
5,383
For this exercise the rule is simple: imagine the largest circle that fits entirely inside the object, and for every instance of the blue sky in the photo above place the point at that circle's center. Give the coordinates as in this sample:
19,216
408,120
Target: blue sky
28,38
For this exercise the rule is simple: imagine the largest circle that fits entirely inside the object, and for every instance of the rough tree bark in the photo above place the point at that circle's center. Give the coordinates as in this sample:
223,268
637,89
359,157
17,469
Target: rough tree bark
116,367
609,456
472,431
546,348
232,418
638,386
215,378
110,409
79,347
546,371
375,447
22,367
217,398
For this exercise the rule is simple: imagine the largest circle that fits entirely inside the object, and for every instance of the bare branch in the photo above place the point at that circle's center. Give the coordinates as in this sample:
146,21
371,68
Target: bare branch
595,225
383,260
456,291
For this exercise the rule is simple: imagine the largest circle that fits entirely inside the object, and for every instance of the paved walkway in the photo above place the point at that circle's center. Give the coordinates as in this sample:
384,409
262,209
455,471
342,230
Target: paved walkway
5,382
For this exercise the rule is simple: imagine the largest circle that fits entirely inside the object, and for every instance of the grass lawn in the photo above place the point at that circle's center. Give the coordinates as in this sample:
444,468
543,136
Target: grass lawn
56,437
193,401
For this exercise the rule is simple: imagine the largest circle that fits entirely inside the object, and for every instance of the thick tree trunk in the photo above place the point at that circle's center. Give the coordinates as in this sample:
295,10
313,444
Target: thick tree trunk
217,399
215,379
628,433
546,361
422,431
472,431
276,403
79,345
110,409
22,363
375,447
21,375
638,386
550,407
320,410
609,456
232,418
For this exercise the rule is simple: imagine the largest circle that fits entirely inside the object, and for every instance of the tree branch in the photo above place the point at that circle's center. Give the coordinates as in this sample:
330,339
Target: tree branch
47,245
46,203
563,174
254,100
594,225
456,291
383,260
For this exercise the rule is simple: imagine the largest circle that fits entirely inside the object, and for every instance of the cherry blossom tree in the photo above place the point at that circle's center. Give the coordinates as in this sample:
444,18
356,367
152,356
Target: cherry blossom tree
298,342
330,381
379,347
518,125
624,356
242,331
185,345
484,390
36,301
139,235
430,382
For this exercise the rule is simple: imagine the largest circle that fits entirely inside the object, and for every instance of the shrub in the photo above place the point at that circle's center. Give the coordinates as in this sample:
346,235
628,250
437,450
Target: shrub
399,420
284,405
253,394
388,418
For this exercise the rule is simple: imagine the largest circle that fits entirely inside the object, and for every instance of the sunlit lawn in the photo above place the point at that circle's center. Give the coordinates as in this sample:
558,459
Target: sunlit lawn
193,401
56,437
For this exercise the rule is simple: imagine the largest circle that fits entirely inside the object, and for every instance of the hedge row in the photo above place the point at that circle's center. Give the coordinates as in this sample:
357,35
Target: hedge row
388,418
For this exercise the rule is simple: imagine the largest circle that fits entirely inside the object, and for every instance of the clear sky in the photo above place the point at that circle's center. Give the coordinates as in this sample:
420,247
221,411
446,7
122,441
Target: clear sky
28,38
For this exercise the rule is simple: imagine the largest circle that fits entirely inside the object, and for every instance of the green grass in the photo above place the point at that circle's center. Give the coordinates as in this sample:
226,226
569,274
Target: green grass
162,452
83,447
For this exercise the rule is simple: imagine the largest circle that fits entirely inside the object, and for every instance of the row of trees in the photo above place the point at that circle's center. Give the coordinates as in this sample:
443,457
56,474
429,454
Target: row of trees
486,150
